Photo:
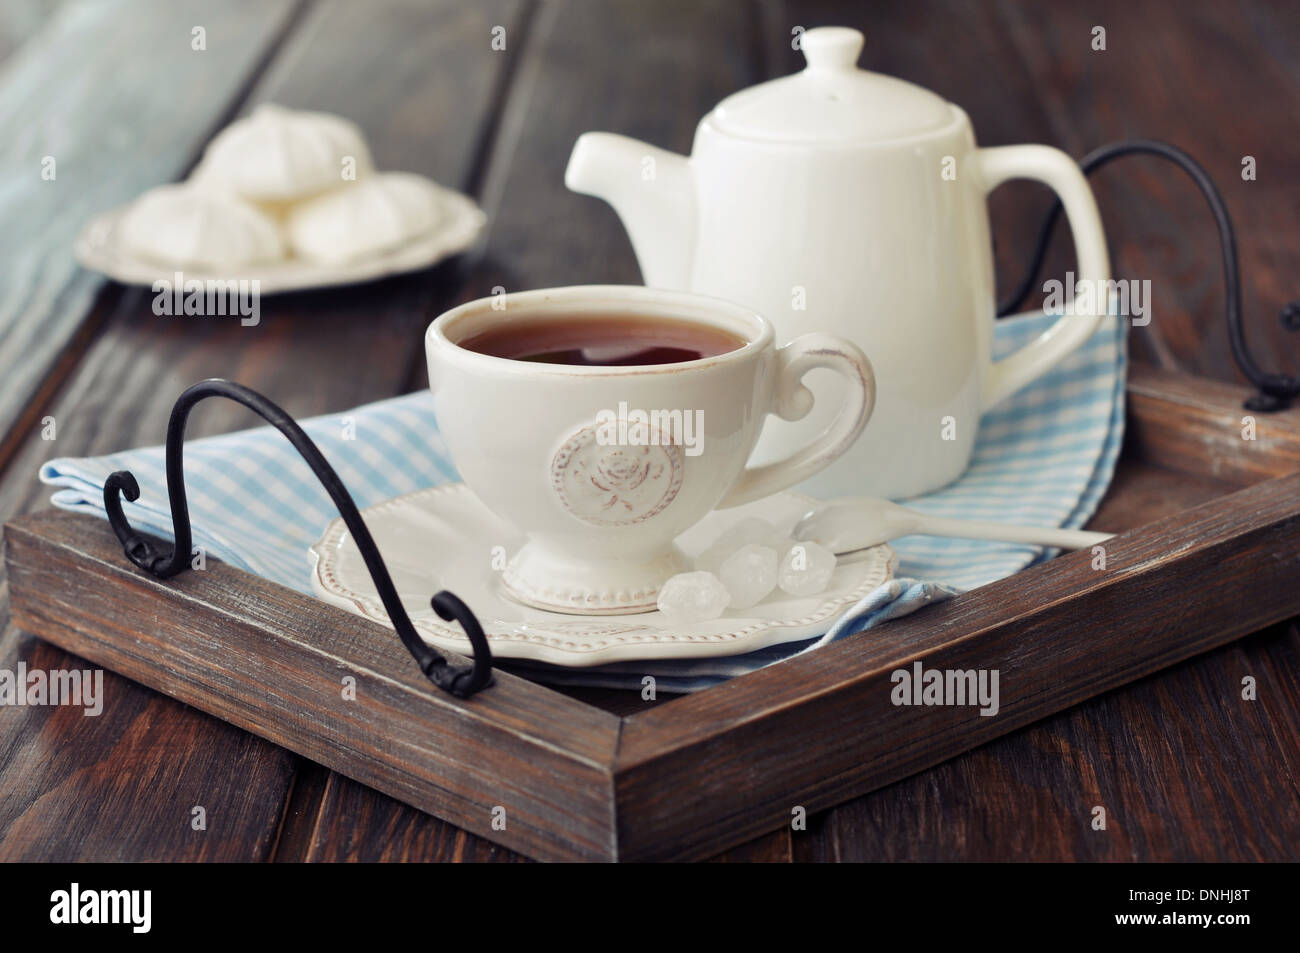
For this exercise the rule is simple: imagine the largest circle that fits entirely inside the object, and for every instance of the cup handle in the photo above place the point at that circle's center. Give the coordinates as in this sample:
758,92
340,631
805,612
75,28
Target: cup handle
791,400
1059,172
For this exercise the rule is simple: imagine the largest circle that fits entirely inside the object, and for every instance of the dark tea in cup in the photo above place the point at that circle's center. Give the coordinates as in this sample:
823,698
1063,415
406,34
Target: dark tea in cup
603,340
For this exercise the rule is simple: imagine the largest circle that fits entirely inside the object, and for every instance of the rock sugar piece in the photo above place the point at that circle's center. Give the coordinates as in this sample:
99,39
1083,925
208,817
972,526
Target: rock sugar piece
693,597
806,569
749,574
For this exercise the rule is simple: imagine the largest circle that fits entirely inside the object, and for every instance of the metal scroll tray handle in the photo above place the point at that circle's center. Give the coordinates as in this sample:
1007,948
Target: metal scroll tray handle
461,682
1274,391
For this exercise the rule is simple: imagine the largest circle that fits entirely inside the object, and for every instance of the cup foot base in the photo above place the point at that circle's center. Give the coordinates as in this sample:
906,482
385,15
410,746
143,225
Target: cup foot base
544,580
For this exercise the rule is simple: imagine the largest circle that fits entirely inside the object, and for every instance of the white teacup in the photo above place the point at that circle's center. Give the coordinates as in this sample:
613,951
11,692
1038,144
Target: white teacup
540,444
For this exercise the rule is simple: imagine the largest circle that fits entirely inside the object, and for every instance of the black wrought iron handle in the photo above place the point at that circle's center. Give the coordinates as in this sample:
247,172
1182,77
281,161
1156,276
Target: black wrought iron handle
459,681
1276,391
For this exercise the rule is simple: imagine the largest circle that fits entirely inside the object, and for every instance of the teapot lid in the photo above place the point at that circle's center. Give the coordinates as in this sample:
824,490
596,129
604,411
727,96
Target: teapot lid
831,100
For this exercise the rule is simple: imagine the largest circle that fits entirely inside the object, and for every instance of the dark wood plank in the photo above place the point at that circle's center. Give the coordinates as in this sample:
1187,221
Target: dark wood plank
418,118
154,762
1164,757
112,133
272,661
616,67
1272,660
420,78
357,823
301,811
1147,84
773,848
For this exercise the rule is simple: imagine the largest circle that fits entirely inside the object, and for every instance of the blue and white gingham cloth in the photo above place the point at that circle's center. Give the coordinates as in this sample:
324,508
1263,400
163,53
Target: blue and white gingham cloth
1043,457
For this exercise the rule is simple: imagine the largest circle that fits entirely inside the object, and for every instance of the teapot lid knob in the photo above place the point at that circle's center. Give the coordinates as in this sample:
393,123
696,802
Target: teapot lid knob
832,100
831,47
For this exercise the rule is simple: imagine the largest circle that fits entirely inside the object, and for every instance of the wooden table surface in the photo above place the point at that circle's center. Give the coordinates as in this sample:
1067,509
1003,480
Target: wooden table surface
121,100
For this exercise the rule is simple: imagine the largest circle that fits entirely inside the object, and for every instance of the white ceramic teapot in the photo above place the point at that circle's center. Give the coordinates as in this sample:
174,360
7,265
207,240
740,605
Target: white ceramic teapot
853,203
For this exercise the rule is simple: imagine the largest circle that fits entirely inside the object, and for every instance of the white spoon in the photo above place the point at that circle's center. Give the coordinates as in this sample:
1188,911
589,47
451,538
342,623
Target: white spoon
847,525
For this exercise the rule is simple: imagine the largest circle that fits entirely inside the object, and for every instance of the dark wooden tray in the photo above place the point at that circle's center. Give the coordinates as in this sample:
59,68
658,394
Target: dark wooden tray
1214,554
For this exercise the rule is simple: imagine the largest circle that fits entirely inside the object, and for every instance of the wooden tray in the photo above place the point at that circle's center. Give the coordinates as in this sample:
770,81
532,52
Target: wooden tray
1214,555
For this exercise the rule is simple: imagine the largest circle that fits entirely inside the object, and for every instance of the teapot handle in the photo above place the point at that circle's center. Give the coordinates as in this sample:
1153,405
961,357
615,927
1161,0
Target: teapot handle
1059,172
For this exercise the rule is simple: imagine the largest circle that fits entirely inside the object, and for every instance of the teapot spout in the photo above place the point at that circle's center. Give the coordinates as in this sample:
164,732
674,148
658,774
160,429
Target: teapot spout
653,192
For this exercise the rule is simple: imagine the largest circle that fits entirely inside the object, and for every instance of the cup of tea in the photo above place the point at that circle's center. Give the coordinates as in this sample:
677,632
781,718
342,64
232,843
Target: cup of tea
604,420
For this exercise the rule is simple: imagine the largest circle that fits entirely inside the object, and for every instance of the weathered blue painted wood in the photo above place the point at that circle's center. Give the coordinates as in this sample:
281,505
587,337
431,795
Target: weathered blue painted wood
104,101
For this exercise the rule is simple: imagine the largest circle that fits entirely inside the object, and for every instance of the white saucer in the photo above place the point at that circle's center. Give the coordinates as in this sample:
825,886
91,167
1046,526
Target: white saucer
444,538
98,248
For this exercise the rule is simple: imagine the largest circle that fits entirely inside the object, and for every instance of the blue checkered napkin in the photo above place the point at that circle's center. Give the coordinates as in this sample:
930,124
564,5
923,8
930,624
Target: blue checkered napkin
1044,456
254,503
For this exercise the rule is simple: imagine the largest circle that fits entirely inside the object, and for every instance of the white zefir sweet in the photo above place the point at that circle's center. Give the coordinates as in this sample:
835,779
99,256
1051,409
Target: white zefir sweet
278,155
365,218
186,227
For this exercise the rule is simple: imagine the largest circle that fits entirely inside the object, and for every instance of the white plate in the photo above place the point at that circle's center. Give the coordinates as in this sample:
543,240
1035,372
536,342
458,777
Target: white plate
444,538
99,249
